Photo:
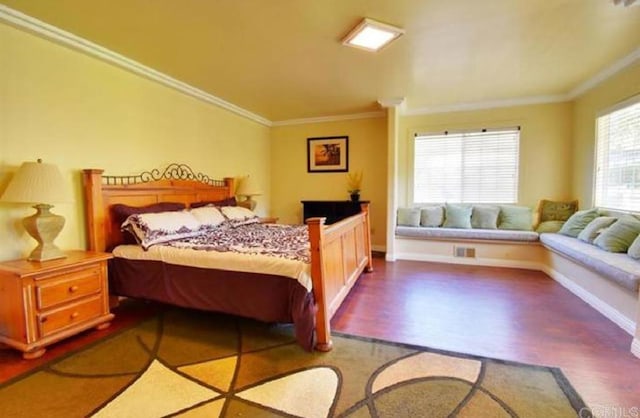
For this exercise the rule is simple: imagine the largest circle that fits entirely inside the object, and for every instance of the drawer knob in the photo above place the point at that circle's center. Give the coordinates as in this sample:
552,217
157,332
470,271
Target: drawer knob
74,315
73,289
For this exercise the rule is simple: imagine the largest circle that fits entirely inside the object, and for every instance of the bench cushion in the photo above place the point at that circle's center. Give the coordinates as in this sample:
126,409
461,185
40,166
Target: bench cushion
457,233
617,267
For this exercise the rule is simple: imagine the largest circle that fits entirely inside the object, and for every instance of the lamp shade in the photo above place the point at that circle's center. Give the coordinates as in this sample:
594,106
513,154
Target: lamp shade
37,182
247,187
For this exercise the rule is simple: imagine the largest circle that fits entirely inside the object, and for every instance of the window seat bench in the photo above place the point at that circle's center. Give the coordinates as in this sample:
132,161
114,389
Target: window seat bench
617,267
610,282
493,247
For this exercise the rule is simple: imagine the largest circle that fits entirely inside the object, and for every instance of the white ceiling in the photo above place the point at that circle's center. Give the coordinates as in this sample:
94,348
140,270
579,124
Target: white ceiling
283,59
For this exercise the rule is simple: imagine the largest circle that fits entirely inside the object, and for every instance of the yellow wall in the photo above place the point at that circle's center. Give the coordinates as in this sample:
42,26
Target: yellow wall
291,183
545,146
616,89
78,112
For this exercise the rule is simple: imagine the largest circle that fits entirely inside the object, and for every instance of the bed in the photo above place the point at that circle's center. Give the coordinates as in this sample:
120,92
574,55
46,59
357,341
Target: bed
338,253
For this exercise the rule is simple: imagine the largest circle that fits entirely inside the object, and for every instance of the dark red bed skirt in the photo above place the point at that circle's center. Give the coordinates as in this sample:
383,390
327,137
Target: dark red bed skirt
264,297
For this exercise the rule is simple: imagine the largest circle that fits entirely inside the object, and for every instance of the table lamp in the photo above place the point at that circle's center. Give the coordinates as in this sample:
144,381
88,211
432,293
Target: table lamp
40,184
247,189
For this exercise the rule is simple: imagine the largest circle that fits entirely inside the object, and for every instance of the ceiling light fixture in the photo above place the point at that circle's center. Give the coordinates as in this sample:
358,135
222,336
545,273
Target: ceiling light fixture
371,35
626,3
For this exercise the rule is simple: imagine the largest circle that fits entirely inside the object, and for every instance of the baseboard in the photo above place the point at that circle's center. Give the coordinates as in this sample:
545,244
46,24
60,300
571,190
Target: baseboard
635,347
598,304
490,262
379,248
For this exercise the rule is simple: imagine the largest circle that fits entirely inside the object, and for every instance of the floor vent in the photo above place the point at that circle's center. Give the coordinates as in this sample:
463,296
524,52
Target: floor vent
464,252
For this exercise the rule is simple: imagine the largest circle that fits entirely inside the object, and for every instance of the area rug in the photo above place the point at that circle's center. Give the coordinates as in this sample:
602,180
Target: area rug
194,364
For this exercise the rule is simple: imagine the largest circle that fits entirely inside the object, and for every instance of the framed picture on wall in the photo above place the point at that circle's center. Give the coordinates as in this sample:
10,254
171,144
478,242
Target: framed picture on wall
328,154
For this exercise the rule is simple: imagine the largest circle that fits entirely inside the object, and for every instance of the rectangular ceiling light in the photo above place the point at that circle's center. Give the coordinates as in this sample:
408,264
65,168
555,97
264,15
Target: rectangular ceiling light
371,35
626,3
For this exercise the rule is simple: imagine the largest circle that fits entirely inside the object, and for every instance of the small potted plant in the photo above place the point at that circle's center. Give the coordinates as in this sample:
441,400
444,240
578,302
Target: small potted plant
354,181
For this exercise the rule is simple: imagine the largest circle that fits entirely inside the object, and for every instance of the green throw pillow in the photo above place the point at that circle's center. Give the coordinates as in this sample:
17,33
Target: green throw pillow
515,218
577,222
634,249
457,216
549,226
595,227
619,236
485,217
432,216
408,216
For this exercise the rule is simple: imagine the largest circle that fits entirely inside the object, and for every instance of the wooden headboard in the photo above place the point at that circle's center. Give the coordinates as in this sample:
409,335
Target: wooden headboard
177,183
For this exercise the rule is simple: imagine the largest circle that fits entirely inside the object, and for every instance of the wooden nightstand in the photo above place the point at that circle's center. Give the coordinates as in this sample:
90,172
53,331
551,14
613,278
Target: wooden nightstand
269,220
44,302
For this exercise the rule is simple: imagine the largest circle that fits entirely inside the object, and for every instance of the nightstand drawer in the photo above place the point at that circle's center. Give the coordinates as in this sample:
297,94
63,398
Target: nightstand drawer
68,287
44,302
53,321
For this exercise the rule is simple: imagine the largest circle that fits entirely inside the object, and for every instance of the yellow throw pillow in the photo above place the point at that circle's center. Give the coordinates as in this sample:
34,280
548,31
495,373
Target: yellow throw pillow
550,210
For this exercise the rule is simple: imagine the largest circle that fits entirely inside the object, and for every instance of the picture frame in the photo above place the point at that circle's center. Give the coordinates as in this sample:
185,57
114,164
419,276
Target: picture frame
329,154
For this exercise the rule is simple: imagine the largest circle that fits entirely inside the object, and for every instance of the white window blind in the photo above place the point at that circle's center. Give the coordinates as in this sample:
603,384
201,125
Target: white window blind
617,171
475,167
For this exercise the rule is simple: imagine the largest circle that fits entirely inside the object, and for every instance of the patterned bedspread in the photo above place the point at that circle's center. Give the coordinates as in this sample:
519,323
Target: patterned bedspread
285,241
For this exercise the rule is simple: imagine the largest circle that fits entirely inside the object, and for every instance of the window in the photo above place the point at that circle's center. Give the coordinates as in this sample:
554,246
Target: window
474,167
617,171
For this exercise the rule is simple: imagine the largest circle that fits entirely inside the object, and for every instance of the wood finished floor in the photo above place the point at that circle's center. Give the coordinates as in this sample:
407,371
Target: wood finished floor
511,314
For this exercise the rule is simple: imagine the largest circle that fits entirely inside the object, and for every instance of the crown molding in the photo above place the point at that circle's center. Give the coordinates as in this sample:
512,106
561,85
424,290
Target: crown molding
23,21
605,74
392,102
461,107
594,81
335,118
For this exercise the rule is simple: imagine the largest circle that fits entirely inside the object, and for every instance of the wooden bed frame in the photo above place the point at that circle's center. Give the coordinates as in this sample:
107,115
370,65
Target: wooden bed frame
339,252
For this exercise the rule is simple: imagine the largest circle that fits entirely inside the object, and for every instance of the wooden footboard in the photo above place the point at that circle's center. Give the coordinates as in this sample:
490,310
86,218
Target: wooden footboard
339,254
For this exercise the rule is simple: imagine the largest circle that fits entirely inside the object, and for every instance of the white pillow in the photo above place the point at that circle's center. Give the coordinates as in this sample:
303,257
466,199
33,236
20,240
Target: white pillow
170,221
237,215
156,228
208,216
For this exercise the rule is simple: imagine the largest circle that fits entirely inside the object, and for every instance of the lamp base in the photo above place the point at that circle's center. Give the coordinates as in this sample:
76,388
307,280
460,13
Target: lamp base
44,227
252,203
248,203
